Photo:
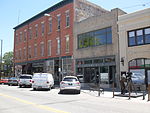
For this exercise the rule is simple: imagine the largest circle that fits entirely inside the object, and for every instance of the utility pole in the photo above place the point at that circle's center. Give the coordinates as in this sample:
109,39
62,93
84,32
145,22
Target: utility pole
1,58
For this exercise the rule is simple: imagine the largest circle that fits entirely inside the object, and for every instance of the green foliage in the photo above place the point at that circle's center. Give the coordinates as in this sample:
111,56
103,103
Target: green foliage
8,58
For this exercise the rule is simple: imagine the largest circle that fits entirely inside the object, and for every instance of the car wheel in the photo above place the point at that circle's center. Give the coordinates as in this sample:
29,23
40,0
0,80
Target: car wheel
78,92
20,86
34,89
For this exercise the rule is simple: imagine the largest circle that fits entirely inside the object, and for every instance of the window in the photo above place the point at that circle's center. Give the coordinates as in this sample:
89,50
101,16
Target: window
36,30
20,54
20,36
95,38
147,35
139,37
16,38
42,48
42,25
24,53
35,50
30,33
50,25
29,52
67,19
58,22
58,46
132,38
139,63
25,34
147,62
67,43
49,47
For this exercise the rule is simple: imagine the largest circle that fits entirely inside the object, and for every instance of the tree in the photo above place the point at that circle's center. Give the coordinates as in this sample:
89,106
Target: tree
8,62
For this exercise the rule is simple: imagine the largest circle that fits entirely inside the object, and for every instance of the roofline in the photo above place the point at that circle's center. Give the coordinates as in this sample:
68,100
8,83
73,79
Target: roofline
52,8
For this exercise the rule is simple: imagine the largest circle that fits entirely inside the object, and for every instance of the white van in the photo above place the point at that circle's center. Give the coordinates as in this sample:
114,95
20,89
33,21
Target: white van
42,81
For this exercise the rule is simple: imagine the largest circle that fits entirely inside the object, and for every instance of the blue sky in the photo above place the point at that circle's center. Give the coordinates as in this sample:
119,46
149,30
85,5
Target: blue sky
25,9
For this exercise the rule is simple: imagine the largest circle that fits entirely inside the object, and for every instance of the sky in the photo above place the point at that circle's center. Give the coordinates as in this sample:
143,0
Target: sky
14,12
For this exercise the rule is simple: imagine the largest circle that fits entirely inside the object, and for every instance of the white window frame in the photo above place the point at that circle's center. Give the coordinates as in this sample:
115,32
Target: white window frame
58,46
67,13
42,49
50,24
67,43
49,47
58,21
42,28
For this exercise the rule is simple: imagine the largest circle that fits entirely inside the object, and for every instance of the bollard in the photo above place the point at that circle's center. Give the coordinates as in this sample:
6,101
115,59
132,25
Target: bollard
149,92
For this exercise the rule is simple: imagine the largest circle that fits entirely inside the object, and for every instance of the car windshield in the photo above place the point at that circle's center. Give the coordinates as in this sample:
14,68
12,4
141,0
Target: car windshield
70,79
25,77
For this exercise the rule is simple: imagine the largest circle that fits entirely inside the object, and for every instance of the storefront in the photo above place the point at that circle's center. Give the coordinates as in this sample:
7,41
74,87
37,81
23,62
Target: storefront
142,66
105,67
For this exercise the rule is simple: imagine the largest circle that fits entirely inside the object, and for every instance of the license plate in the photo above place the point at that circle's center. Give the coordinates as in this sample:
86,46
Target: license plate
70,84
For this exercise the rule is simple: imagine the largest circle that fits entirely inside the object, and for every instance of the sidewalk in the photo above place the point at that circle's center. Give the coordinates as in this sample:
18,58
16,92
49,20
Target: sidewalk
109,94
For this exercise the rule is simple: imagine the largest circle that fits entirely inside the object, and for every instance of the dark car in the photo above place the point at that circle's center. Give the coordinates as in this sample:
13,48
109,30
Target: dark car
13,81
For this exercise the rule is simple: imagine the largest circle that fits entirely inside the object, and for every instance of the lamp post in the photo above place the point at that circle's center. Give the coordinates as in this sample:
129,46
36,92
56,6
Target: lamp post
1,57
59,48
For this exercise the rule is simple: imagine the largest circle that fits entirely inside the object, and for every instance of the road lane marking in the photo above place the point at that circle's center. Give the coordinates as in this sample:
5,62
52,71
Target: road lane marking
34,104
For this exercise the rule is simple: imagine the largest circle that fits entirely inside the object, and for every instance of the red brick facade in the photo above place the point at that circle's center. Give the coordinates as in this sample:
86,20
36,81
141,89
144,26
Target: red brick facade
20,44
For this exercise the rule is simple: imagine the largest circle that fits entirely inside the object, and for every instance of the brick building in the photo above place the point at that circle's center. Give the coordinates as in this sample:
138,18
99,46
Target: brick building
44,43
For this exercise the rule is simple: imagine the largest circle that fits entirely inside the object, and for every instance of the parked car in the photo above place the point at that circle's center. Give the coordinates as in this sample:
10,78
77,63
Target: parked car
138,78
25,80
4,80
13,81
42,81
70,83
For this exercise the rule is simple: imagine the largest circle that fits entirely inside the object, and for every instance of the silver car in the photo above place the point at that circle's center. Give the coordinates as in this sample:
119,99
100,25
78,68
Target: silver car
70,83
25,80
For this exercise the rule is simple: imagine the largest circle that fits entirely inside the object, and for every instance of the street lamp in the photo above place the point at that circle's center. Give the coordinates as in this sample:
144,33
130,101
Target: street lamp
59,51
1,57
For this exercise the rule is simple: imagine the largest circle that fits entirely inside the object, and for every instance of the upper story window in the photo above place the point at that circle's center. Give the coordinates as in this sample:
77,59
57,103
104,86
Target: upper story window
25,34
139,37
42,48
20,36
67,43
30,33
58,21
50,24
43,28
49,47
67,18
36,30
58,46
24,52
29,52
35,50
16,38
95,38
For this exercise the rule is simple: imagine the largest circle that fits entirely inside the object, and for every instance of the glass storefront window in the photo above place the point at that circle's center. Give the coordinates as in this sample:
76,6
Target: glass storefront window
140,62
88,62
104,69
109,60
147,62
132,63
96,61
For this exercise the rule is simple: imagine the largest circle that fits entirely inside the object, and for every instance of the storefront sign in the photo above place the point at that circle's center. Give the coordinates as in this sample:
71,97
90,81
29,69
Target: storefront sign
39,64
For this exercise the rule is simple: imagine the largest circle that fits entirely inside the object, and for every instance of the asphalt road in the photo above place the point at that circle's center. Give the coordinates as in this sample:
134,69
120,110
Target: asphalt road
23,100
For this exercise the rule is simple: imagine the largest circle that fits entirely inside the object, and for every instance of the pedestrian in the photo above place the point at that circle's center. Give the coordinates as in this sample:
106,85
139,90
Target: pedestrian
122,84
